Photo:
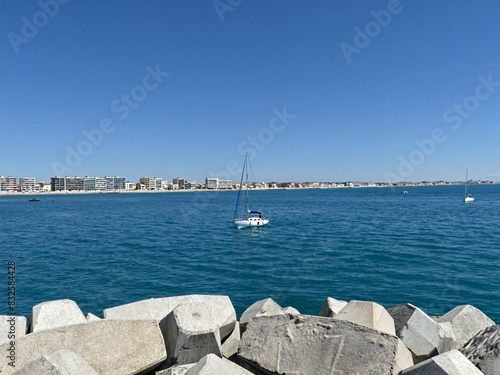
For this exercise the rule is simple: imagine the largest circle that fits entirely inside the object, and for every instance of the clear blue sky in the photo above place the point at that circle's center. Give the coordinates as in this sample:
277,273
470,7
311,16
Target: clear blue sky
358,114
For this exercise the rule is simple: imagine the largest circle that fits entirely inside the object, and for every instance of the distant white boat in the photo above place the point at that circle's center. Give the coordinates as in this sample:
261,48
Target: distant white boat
467,196
405,192
247,218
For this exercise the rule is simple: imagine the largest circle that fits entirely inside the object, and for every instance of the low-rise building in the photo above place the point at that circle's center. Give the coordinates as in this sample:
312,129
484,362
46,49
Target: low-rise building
151,183
180,182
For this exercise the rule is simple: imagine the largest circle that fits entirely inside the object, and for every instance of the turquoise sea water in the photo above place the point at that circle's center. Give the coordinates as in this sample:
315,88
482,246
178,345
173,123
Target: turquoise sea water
426,247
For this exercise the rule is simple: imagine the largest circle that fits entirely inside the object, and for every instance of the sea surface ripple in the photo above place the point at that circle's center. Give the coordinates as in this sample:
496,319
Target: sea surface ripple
427,248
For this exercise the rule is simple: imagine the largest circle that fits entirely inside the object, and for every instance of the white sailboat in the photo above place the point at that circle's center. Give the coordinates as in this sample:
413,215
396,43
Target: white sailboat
467,196
247,218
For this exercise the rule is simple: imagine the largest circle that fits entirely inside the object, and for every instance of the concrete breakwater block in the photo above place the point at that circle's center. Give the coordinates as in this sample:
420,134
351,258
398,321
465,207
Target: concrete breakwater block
288,344
230,345
53,314
449,363
111,347
264,307
466,321
368,314
175,370
447,340
159,308
483,350
419,332
92,318
12,327
191,331
213,365
60,362
331,307
291,310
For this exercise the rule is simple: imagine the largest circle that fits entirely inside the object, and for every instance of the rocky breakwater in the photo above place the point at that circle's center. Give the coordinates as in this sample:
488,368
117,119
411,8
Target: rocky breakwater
200,335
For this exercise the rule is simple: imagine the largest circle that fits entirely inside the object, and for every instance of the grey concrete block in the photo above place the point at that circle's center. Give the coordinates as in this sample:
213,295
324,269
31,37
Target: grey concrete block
191,331
111,347
331,307
60,362
466,321
231,343
159,308
12,327
403,358
265,307
53,314
449,363
288,344
417,330
92,318
483,350
175,370
447,340
213,365
368,314
291,310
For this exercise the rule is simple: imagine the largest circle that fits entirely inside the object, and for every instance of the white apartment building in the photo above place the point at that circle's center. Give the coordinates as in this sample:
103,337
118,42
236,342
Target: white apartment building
115,183
151,183
8,183
215,183
28,184
212,182
86,183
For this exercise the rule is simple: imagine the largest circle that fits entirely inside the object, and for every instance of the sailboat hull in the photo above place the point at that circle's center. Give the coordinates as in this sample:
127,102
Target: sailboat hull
468,199
251,222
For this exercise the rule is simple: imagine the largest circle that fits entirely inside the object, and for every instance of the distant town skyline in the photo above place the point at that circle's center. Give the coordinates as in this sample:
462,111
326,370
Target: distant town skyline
378,91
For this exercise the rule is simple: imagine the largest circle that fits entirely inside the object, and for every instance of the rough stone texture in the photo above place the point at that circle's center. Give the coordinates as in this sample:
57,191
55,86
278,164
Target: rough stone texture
291,310
449,363
230,345
111,347
60,362
368,314
159,308
331,307
92,318
288,344
191,331
213,365
264,307
53,314
466,321
417,330
12,325
176,370
483,350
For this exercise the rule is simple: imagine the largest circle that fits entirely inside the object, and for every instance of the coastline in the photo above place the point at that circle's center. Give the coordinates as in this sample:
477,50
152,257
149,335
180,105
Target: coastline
93,192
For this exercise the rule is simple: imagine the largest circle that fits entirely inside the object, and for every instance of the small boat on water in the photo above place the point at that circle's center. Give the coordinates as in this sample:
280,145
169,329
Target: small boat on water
34,200
468,198
247,218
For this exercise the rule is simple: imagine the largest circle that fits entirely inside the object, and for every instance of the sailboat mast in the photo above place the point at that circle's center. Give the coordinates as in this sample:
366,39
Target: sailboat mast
466,179
246,182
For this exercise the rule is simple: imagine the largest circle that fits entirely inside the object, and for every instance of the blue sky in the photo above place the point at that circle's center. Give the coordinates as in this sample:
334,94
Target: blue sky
324,90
